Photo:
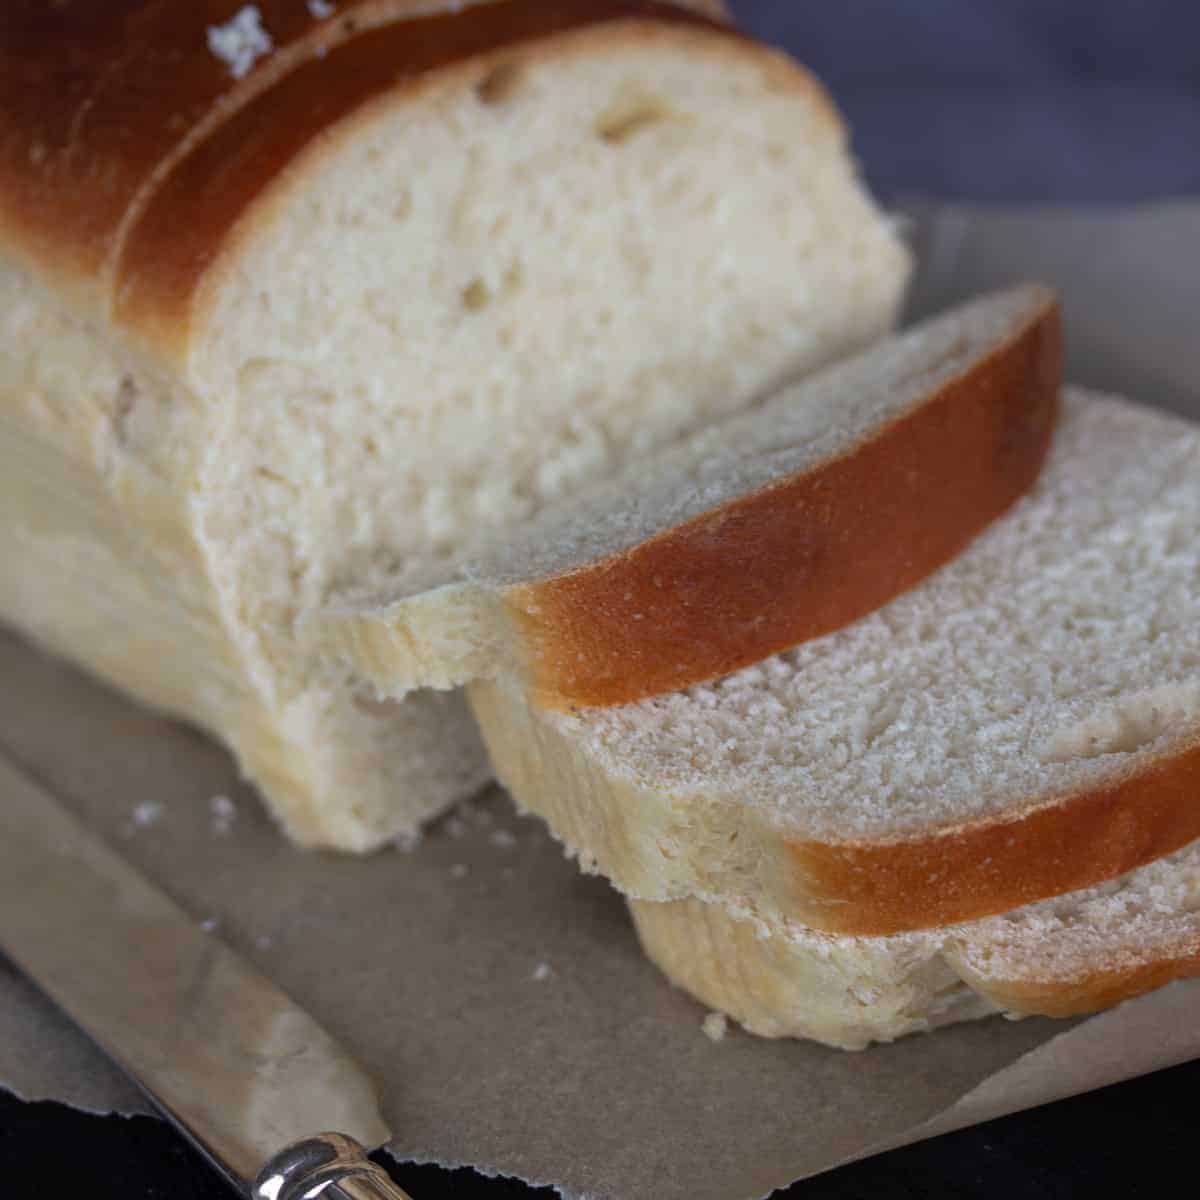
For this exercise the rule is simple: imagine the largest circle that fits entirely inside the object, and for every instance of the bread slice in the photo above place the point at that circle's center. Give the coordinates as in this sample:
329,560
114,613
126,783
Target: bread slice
774,527
1024,723
1062,957
417,274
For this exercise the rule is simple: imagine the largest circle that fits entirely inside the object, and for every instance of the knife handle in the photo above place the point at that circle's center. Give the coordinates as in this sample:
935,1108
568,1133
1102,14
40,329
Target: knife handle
329,1165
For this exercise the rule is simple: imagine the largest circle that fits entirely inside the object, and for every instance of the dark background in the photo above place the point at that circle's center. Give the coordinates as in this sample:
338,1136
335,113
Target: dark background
985,101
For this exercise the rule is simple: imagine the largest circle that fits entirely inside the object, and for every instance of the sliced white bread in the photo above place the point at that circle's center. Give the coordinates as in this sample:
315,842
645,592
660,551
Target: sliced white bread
327,310
776,526
1024,723
1062,957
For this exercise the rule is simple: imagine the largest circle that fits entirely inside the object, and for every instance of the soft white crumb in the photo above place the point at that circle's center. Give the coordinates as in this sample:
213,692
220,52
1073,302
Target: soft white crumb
459,871
147,813
542,972
209,924
503,838
406,843
715,1026
455,827
241,41
320,9
223,813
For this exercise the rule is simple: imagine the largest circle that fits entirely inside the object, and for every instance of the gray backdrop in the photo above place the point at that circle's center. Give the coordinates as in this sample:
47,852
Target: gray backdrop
1011,101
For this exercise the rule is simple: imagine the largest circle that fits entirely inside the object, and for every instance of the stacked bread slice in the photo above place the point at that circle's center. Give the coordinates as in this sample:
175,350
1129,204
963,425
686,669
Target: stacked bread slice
979,795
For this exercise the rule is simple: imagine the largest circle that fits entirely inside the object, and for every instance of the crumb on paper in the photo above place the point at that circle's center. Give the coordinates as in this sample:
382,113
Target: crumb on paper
209,924
241,41
406,843
503,838
455,827
321,9
459,871
715,1026
542,972
223,812
148,813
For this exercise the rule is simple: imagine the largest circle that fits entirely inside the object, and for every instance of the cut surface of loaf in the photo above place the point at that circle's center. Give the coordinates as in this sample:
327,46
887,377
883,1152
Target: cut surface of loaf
1062,957
773,527
1025,722
411,279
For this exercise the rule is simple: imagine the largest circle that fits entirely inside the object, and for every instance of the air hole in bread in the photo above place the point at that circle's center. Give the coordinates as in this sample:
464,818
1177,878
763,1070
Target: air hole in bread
630,116
125,400
476,296
1129,725
499,84
274,477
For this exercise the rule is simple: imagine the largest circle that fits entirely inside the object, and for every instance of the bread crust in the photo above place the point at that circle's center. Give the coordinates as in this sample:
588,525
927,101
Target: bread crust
1053,846
129,155
803,556
849,993
639,837
1099,989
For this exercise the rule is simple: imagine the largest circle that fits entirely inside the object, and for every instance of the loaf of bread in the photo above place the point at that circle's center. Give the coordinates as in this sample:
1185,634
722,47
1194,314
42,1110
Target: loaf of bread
290,303
760,532
1061,957
1024,723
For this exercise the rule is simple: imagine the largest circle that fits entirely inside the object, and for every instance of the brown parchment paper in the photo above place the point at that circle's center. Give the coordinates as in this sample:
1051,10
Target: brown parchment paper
497,995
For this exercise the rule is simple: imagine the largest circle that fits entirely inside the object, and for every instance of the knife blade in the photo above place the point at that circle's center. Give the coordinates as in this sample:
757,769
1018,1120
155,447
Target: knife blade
241,1070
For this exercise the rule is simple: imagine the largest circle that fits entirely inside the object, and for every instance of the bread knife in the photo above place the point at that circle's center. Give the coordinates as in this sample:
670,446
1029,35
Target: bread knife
241,1070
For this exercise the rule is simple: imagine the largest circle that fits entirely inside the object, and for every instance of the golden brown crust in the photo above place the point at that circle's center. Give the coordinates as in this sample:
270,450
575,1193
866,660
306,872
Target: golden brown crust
231,174
1097,990
1060,845
98,100
804,556
93,98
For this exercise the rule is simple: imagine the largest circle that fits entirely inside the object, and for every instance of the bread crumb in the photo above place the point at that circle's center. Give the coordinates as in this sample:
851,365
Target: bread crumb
320,9
241,41
715,1026
224,813
406,843
542,972
503,838
147,813
209,924
455,827
263,942
459,871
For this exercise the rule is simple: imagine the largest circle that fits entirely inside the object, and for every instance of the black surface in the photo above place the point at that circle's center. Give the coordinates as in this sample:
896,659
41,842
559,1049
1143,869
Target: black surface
1018,101
1121,1141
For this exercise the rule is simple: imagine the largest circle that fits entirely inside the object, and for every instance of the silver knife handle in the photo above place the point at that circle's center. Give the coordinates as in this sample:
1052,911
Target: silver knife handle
329,1165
